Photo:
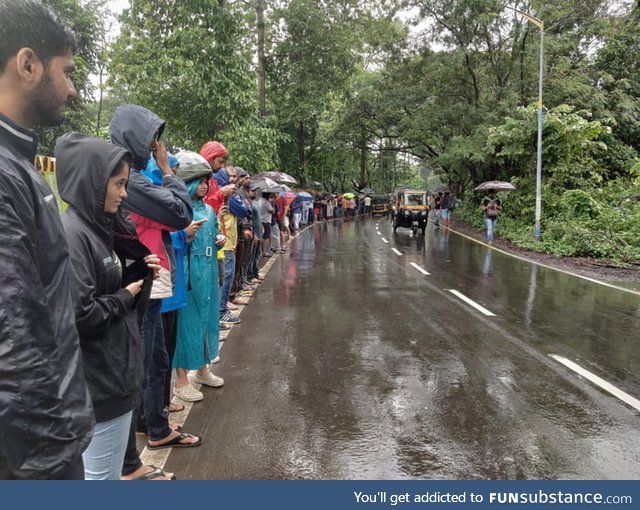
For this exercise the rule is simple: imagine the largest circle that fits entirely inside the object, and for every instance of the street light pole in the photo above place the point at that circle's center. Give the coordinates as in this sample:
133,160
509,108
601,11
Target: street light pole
540,24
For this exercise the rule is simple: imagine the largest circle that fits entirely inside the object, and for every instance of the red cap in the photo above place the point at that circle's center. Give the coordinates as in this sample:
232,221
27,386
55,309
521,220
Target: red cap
213,150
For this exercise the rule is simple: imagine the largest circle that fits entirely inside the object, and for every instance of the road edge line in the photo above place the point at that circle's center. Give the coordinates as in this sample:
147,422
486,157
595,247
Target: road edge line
546,266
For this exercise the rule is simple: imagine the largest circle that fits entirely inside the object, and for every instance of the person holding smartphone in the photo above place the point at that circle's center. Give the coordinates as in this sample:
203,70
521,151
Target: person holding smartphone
197,342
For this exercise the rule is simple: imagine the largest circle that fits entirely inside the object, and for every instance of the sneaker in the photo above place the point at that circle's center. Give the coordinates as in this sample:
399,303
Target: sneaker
227,318
209,380
215,360
188,393
224,327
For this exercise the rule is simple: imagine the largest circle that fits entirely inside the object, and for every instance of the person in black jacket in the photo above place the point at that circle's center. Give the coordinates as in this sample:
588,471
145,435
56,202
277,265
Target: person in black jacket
92,179
156,210
46,416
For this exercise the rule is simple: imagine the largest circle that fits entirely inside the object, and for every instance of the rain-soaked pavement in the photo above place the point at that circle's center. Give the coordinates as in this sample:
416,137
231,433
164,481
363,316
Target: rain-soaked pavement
350,363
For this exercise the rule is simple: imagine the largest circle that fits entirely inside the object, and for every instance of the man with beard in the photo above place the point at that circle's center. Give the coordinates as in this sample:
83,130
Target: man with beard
45,408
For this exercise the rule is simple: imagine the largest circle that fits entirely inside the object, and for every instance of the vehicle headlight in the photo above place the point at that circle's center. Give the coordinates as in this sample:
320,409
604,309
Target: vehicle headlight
406,211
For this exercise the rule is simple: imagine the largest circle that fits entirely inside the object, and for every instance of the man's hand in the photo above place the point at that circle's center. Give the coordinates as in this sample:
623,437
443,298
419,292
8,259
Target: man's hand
162,158
228,190
248,233
153,263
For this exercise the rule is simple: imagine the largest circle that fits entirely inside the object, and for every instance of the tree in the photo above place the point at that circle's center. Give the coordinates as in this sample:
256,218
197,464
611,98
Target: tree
81,17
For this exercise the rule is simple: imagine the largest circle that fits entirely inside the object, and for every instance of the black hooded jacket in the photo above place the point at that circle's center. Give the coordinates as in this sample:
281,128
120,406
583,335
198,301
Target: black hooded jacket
134,127
46,417
105,314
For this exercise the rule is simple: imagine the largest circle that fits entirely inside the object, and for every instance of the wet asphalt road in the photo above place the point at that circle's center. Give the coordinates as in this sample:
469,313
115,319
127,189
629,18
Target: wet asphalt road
351,364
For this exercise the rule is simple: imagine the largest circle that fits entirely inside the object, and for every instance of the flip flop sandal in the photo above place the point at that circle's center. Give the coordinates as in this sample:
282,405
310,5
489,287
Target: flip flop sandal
155,473
176,443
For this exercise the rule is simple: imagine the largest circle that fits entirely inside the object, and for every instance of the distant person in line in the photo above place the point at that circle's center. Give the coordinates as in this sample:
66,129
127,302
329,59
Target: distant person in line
46,417
491,206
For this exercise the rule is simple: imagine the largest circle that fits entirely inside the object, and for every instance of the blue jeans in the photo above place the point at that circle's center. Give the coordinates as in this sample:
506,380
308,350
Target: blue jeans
105,453
156,366
229,271
491,226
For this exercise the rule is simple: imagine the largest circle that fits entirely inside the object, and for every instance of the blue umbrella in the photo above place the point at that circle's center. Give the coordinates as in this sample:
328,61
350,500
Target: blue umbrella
304,196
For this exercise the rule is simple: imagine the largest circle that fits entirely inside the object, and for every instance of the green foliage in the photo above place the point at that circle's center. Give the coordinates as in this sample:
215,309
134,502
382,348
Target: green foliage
186,62
82,18
253,147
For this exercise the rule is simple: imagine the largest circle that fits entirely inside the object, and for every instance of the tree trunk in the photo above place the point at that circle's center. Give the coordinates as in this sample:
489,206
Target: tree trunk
262,77
100,100
363,159
302,158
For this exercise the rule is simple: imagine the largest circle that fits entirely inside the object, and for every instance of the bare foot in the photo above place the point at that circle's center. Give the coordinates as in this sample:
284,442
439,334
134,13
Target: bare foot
187,440
174,407
145,472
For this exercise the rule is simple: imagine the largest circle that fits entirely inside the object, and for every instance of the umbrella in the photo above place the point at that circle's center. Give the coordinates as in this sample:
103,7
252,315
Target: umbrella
289,196
303,196
265,182
349,195
286,188
315,184
367,191
279,177
496,186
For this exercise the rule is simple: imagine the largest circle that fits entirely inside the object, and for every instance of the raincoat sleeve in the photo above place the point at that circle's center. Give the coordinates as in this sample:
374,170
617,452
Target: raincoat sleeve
214,197
94,314
29,409
168,204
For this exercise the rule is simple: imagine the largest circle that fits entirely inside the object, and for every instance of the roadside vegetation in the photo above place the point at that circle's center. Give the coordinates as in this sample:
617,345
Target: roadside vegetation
379,93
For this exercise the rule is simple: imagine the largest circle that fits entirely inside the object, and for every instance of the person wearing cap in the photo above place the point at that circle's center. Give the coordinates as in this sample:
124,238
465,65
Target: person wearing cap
197,342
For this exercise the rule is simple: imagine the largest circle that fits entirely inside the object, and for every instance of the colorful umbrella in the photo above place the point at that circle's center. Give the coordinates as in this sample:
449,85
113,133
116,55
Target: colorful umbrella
289,196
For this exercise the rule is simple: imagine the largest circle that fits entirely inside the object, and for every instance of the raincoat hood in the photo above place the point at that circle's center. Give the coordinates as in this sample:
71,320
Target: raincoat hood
84,165
153,173
134,127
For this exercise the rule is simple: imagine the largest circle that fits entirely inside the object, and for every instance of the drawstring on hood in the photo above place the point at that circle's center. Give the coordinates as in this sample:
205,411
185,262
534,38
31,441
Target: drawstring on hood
134,128
84,165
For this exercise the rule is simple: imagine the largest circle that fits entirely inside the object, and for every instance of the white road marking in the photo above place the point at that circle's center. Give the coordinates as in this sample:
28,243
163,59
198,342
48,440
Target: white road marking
464,298
379,233
422,270
592,280
385,241
598,381
398,253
